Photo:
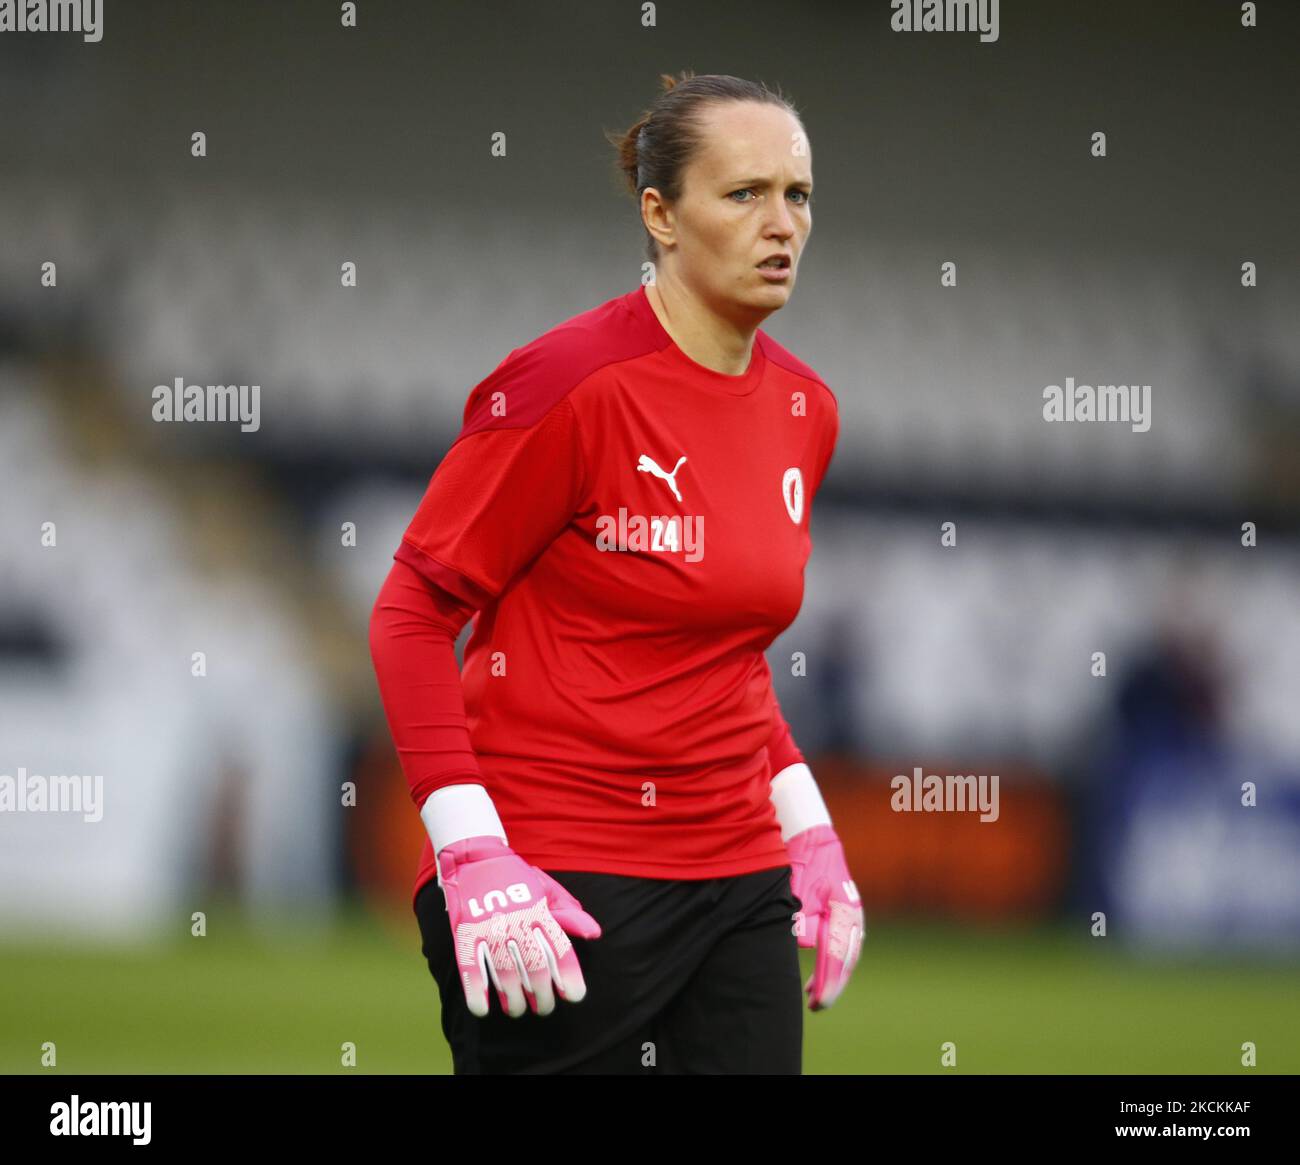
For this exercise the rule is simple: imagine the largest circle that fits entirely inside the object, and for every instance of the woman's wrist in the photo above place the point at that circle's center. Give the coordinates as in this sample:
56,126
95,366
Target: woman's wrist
798,800
456,812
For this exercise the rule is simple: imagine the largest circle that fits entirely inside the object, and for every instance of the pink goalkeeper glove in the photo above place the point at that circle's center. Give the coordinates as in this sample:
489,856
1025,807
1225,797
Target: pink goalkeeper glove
506,918
831,918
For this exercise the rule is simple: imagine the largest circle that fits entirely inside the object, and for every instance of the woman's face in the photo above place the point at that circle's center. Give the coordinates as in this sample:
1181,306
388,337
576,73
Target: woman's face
745,197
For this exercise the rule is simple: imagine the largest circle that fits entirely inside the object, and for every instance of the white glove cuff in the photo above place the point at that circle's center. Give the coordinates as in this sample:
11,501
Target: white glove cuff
798,801
456,812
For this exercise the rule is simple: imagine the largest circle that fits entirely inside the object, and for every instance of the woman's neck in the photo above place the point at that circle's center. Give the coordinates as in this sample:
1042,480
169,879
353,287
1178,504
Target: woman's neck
707,338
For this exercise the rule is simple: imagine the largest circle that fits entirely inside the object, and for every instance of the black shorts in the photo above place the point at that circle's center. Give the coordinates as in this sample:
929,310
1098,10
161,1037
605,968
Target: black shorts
687,976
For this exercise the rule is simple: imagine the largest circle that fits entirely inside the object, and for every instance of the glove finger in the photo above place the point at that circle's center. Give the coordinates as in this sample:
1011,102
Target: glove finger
506,976
568,911
569,983
472,963
566,916
855,949
843,942
528,964
857,936
545,978
510,988
533,959
832,984
816,985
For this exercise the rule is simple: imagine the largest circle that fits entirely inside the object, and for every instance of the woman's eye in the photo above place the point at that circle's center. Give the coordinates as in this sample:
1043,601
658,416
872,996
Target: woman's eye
804,197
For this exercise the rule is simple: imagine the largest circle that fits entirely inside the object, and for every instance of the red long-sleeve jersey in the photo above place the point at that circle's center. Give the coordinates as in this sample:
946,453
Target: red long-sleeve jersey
628,530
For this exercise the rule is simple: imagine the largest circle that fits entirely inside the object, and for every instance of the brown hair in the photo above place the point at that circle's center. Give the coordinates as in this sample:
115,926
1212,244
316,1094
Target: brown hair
655,149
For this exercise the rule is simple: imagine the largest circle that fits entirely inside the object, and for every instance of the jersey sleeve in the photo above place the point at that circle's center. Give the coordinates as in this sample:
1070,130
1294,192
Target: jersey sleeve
510,483
413,629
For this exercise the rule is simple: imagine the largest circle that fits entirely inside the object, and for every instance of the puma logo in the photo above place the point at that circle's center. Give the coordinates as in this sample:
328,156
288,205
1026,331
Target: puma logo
647,465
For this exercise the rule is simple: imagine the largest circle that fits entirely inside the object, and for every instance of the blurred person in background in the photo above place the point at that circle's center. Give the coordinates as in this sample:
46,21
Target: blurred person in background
1162,749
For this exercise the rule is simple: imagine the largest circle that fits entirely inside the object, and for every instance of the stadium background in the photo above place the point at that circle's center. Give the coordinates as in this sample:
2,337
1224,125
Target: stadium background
223,795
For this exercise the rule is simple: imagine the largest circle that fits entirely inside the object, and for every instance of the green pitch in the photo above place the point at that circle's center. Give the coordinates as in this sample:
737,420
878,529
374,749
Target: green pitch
1040,1001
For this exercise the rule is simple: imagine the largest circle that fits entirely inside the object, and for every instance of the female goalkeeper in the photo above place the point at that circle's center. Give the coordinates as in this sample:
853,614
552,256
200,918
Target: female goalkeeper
616,812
